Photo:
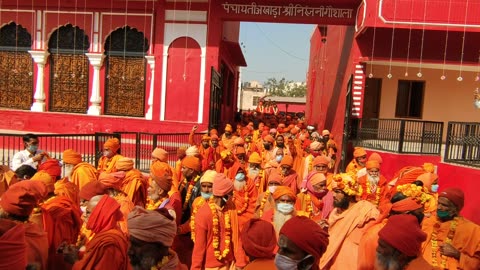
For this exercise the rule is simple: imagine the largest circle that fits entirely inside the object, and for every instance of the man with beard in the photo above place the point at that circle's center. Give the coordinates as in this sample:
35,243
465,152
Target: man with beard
228,164
228,138
151,236
314,151
134,184
255,171
160,164
320,164
358,161
315,201
265,201
268,152
161,195
452,240
290,177
244,196
347,223
284,208
75,171
110,156
374,185
280,144
399,243
217,148
331,147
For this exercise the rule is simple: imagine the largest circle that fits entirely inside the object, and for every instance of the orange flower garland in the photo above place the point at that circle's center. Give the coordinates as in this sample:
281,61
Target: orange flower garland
415,192
216,233
245,202
200,203
161,263
310,164
154,206
189,191
262,203
308,203
259,178
448,240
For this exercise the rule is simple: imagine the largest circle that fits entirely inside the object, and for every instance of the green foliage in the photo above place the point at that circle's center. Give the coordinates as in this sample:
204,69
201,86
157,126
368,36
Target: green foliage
284,88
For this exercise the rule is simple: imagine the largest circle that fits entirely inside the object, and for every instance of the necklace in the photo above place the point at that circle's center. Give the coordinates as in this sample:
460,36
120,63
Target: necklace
262,203
245,201
448,240
189,191
200,203
216,233
154,205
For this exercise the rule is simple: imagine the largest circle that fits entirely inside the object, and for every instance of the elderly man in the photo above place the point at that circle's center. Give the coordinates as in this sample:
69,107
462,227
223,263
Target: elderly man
110,156
217,232
315,201
76,171
255,171
301,244
160,196
134,184
108,247
265,201
284,208
315,150
358,161
160,164
399,243
347,222
452,240
374,184
259,242
151,236
244,196
30,156
290,176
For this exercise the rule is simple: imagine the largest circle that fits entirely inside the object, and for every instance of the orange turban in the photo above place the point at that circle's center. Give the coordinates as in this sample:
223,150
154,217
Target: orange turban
45,178
317,178
22,197
359,152
228,127
427,179
181,151
124,164
269,138
71,157
151,226
404,234
12,245
112,180
240,150
164,182
406,205
225,154
275,177
372,164
205,137
214,137
238,141
293,131
67,189
213,132
321,160
255,158
160,154
112,144
377,157
52,167
192,163
283,190
259,238
287,160
91,189
159,168
222,185
208,176
105,215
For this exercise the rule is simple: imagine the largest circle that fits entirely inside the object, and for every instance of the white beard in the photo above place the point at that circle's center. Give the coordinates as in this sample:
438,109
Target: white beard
279,219
373,179
386,263
67,171
239,185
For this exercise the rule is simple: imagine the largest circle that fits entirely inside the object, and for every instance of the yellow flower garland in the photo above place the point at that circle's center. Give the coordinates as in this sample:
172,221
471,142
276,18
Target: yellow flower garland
308,202
189,191
415,192
216,232
377,192
448,240
310,164
154,206
245,203
200,203
161,263
262,203
259,178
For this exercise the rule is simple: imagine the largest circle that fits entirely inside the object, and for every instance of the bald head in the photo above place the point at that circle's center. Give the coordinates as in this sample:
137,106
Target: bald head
91,205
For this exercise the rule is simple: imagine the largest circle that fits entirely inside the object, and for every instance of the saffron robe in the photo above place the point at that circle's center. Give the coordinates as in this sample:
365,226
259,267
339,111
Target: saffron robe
135,186
82,174
37,245
239,200
12,245
367,248
372,196
108,164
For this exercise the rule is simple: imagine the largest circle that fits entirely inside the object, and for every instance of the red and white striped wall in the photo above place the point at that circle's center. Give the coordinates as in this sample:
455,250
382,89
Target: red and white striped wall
358,88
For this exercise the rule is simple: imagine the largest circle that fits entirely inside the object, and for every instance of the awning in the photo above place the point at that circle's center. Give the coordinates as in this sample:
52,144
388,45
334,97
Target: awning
235,53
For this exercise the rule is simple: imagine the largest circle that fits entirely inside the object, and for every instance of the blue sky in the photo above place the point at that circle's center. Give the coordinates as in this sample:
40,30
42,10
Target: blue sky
275,50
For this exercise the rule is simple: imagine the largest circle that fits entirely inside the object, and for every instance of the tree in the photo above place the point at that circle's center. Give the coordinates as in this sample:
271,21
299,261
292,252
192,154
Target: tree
285,88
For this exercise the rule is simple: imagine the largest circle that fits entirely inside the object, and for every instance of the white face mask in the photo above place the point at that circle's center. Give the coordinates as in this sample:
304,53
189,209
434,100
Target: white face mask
285,208
272,189
283,262
84,209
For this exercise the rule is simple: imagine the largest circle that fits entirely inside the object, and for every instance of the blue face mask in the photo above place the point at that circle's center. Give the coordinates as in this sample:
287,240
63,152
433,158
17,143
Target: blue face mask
278,158
443,214
285,208
240,177
32,148
206,196
435,188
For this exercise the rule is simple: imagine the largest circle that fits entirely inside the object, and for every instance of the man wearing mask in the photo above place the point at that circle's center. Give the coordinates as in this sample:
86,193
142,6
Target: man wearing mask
284,208
265,201
268,149
244,196
255,171
108,161
290,176
30,155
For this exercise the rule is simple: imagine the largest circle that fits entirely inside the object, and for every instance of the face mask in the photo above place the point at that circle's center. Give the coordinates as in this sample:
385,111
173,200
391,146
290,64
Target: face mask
106,153
285,208
206,196
253,172
32,148
443,214
278,158
283,262
267,146
83,208
272,189
281,145
435,188
240,177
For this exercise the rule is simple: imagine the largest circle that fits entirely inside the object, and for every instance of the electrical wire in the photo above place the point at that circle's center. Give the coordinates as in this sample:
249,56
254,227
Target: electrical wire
277,46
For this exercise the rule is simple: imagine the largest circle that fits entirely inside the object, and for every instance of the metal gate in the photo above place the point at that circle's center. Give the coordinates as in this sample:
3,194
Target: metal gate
215,99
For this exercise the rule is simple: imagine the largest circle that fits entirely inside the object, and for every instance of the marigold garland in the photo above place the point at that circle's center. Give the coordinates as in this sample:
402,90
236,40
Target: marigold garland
377,192
189,191
309,207
161,263
448,240
154,205
245,201
259,178
415,192
262,202
200,203
310,164
216,232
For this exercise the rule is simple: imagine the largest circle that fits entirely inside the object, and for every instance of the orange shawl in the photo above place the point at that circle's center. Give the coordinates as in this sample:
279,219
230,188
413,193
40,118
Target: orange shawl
135,186
12,245
37,245
82,174
108,165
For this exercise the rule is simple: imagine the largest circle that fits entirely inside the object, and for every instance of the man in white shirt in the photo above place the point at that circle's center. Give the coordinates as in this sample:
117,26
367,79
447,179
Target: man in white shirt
31,155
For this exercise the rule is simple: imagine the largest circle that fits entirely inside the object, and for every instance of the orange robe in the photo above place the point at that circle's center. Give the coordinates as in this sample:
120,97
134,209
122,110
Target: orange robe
245,208
267,206
380,191
82,174
345,230
108,165
135,186
228,143
466,240
353,167
292,181
419,263
67,189
12,245
126,206
310,206
7,178
107,250
261,264
37,245
367,248
307,165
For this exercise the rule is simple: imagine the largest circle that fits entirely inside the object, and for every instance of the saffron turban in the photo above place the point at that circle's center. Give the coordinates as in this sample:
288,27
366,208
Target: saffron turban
325,132
208,176
315,145
359,152
112,144
281,125
160,154
12,245
67,189
275,177
192,151
259,238
372,164
427,179
112,180
455,195
264,134
246,131
165,182
321,160
151,226
377,157
124,164
222,185
22,197
307,235
254,158
269,139
71,157
214,137
181,151
45,178
283,190
192,163
238,141
105,215
287,160
213,132
52,167
403,233
406,205
228,127
205,137
317,178
91,189
294,131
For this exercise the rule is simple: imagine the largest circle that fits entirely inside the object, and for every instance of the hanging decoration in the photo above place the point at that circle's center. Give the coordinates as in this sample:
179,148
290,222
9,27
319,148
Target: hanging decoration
125,42
409,39
460,78
419,74
443,77
370,75
389,75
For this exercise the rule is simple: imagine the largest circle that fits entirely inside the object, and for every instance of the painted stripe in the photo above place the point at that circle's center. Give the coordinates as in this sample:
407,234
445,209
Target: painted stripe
357,98
357,93
357,103
358,77
359,66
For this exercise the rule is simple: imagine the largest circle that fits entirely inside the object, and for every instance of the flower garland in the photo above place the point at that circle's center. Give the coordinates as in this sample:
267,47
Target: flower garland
161,263
245,201
259,178
154,205
308,202
415,192
201,202
189,191
216,233
262,203
448,240
310,164
377,192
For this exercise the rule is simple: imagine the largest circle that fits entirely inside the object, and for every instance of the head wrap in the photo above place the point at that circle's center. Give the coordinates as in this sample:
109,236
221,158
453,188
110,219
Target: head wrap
455,195
315,145
325,132
214,137
307,235
12,245
283,190
287,160
375,156
403,233
71,157
192,163
91,189
181,151
264,134
192,151
67,189
294,131
274,177
45,178
165,182
259,238
428,167
359,152
151,226
281,125
105,215
160,154
112,144
205,137
238,141
124,164
269,139
321,160
22,197
406,205
240,150
372,164
255,158
112,180
347,183
208,176
213,132
427,179
317,178
228,127
52,167
221,185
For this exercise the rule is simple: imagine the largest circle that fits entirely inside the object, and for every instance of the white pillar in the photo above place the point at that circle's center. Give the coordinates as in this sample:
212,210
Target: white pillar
96,60
151,62
40,58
